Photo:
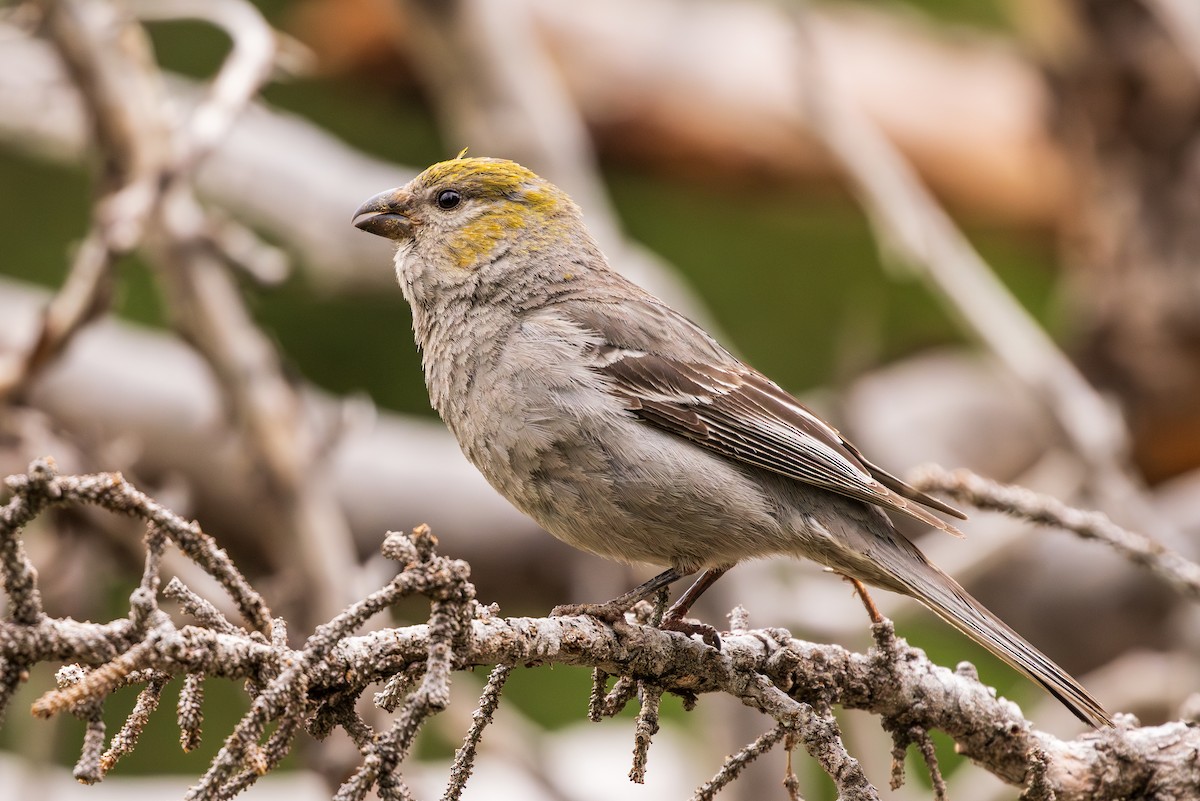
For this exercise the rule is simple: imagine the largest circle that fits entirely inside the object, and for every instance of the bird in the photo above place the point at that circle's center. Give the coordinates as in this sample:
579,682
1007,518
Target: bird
626,430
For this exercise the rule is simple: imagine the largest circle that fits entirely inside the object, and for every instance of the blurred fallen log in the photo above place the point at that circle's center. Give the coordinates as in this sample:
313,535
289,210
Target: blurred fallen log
964,107
148,401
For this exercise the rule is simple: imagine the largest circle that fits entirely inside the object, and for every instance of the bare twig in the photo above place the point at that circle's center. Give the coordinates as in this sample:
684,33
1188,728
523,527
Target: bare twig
190,713
596,698
245,70
969,488
622,692
149,165
925,746
1038,787
793,682
464,757
736,763
124,741
644,729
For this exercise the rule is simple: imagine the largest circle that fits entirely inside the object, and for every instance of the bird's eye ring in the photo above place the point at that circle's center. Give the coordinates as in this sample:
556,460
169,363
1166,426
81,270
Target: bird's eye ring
448,199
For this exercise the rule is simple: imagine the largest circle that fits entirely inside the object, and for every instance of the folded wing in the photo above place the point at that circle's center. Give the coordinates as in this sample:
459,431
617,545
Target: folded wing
735,411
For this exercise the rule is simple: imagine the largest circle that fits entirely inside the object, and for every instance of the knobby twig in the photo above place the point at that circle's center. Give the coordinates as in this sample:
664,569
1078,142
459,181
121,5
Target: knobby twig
736,763
973,489
315,687
464,757
645,728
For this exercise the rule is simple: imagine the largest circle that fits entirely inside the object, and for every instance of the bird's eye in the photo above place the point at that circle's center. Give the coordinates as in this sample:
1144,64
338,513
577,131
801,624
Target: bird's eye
448,199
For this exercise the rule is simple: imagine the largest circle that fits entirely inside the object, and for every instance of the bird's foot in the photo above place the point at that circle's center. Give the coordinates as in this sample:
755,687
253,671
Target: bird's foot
690,627
608,612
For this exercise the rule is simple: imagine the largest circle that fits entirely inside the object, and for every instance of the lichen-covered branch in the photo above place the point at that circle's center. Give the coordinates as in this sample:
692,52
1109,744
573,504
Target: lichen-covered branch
314,687
1024,503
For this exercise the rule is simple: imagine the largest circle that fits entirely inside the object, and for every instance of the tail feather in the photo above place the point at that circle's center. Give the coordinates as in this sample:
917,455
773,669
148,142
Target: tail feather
944,596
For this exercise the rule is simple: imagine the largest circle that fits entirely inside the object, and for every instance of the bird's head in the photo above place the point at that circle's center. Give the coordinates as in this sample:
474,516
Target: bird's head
466,212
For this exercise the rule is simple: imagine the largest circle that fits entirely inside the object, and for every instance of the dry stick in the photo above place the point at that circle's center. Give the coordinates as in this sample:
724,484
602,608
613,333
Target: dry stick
899,754
596,698
359,730
143,602
398,687
431,697
199,608
752,667
432,575
107,59
190,711
385,755
446,623
32,493
925,746
87,769
247,68
909,221
818,731
1038,787
644,729
281,696
265,758
968,487
285,691
735,764
110,491
98,683
12,673
989,730
125,740
464,757
205,307
622,692
791,782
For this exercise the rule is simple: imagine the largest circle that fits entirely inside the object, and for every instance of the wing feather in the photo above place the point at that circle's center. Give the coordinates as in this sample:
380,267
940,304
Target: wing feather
739,413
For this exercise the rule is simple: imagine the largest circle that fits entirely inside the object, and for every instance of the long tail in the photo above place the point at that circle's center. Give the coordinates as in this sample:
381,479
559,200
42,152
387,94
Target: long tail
944,596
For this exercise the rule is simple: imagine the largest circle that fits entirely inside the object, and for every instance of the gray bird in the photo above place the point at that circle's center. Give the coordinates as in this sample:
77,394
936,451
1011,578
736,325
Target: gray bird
624,429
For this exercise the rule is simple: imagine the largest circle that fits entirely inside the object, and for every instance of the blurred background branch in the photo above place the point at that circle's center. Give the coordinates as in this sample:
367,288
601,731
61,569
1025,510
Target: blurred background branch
182,298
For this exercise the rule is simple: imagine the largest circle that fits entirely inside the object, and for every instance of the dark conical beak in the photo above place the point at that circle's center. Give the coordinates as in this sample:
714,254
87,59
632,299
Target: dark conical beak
384,215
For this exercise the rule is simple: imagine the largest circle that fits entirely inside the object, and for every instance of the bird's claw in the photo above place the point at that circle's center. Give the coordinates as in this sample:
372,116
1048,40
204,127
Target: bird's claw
613,613
690,627
608,613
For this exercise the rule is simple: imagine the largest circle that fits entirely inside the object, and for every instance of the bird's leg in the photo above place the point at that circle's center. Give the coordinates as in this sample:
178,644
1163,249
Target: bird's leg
881,627
673,619
861,590
615,610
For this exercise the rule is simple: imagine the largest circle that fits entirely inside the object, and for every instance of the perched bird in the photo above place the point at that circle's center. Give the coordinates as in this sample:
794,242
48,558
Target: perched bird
624,429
